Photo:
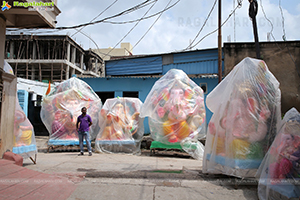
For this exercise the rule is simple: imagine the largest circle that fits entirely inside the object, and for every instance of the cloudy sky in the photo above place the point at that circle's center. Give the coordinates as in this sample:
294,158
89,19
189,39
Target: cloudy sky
177,27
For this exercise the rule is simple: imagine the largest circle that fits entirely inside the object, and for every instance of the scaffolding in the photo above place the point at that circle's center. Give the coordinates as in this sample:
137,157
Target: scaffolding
50,58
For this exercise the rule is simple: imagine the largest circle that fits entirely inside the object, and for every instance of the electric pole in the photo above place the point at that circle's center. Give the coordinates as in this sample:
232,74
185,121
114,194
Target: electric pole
219,43
253,8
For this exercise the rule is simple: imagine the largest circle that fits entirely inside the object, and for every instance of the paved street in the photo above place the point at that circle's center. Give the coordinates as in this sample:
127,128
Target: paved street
119,176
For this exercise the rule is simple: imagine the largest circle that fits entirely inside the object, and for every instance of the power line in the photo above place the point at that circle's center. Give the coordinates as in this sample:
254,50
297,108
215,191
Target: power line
132,21
213,7
131,29
153,24
283,37
238,6
96,16
132,9
166,8
263,10
104,21
148,2
139,6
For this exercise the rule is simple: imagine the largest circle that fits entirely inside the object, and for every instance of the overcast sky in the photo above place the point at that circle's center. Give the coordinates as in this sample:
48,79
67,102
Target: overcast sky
179,25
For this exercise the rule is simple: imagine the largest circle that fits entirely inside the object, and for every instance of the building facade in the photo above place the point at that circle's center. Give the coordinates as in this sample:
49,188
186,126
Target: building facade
108,53
50,58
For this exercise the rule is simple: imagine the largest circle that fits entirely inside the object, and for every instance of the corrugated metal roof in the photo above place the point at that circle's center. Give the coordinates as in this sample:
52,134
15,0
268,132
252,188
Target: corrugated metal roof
196,56
203,67
148,77
191,62
141,65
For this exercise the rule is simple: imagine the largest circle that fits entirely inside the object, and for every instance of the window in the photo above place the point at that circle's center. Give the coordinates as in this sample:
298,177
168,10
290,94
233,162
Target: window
131,94
204,87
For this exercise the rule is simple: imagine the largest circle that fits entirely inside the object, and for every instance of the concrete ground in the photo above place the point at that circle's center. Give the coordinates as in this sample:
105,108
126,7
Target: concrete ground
166,175
17,182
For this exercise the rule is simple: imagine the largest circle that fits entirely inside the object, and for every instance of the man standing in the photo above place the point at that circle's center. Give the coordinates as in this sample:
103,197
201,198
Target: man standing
84,121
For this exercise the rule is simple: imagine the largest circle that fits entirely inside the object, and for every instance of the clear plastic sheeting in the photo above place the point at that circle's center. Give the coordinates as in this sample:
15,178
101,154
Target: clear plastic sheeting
121,126
176,111
7,68
63,105
24,139
246,109
280,169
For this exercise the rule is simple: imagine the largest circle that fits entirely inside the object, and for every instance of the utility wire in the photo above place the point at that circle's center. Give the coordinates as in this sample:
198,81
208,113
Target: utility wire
272,27
213,7
132,21
283,37
132,9
166,8
104,21
83,33
96,17
238,6
131,29
139,6
153,24
138,20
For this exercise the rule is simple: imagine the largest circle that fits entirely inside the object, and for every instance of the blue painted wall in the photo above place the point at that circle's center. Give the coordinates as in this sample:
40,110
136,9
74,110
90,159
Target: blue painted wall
23,100
142,85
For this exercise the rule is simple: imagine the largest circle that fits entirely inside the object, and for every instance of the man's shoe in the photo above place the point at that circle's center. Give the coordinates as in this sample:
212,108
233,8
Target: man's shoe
90,153
81,154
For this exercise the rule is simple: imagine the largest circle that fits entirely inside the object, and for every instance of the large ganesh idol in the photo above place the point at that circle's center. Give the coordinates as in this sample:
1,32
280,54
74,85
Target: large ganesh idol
62,106
279,173
121,126
24,139
175,107
246,109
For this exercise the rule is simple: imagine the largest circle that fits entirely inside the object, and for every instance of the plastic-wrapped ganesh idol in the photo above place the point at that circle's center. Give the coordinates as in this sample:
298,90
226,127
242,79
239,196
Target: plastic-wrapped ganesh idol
246,109
121,126
24,138
280,169
175,107
61,108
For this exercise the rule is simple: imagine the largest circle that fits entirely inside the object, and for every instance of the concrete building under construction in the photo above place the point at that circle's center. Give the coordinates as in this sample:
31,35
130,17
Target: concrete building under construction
50,58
